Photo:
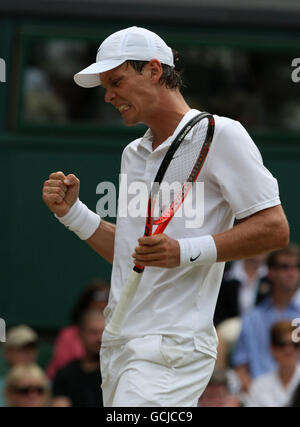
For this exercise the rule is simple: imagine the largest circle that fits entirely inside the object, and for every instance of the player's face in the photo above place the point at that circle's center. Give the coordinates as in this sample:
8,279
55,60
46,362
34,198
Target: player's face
133,94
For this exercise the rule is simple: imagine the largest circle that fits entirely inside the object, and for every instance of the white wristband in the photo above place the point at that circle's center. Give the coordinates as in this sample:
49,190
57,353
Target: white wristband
81,220
197,250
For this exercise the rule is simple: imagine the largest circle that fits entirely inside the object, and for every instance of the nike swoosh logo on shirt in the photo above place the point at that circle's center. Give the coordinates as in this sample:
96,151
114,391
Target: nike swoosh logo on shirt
194,259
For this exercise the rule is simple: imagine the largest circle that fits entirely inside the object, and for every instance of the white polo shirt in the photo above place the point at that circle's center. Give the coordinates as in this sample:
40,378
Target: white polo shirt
180,302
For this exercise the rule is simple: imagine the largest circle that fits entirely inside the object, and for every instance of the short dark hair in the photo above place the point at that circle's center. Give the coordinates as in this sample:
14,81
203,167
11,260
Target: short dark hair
291,250
171,78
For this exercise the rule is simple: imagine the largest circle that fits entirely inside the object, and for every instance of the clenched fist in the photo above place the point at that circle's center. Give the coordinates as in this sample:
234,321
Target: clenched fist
60,192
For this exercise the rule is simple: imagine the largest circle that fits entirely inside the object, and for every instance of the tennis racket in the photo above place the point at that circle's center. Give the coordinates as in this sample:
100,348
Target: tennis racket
181,164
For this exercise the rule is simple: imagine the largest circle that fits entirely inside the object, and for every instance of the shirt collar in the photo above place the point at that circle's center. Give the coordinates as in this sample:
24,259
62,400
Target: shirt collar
147,140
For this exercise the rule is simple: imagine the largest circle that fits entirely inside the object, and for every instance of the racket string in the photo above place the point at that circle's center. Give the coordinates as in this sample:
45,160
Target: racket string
184,167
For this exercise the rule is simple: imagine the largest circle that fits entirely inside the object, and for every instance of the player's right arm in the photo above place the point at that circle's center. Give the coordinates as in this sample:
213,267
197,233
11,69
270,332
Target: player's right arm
103,240
60,193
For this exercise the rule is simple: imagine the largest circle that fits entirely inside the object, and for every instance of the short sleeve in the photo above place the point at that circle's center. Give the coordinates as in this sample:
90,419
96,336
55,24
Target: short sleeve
237,167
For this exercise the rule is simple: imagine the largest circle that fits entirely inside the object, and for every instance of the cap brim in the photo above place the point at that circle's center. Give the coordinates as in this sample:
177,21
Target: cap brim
89,77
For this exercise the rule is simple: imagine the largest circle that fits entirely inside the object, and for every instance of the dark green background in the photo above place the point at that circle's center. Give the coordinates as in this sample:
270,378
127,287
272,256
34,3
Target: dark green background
44,266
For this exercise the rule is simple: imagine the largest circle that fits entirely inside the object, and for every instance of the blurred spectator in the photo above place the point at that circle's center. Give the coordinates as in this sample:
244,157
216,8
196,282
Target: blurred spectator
78,384
217,392
21,347
277,387
243,286
26,386
42,104
228,332
252,355
68,345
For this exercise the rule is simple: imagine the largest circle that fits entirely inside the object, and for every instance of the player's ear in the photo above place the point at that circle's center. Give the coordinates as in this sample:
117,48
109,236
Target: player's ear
156,70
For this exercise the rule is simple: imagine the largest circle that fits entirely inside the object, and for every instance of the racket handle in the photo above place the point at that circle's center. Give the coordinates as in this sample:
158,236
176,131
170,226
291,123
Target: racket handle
126,297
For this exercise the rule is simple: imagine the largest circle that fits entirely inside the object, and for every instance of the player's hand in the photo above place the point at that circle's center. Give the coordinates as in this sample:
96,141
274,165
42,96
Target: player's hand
158,250
60,192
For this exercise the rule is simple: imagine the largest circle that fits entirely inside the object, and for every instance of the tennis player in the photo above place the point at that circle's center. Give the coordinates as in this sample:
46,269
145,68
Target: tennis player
166,350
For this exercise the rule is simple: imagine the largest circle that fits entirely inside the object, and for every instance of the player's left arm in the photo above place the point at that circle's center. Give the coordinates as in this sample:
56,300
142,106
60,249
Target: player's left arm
262,232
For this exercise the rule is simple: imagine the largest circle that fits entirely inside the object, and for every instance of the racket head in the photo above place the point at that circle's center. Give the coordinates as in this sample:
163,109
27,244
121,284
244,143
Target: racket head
179,169
182,171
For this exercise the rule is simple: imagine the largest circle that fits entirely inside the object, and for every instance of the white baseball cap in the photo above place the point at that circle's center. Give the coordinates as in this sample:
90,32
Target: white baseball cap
133,43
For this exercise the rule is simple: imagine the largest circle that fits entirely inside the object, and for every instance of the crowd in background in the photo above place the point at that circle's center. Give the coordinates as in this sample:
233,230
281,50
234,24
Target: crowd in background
72,377
257,318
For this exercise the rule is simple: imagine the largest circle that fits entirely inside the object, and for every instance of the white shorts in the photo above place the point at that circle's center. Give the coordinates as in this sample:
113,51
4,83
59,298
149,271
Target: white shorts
154,371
